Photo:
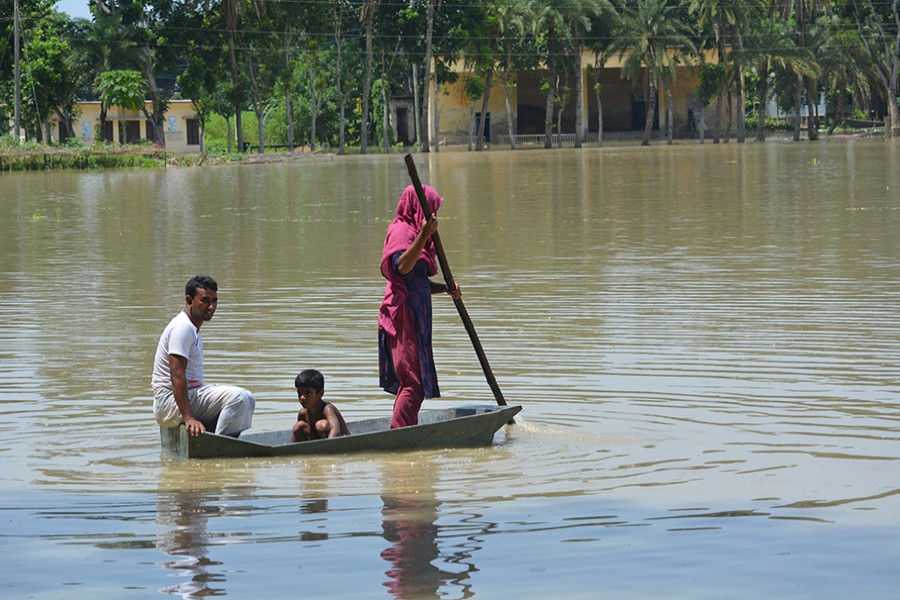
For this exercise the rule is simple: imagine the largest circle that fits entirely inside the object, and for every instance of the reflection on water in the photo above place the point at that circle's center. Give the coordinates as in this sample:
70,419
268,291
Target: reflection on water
183,534
410,516
187,501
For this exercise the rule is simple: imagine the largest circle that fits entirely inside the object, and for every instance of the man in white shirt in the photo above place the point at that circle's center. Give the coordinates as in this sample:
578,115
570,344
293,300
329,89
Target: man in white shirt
179,393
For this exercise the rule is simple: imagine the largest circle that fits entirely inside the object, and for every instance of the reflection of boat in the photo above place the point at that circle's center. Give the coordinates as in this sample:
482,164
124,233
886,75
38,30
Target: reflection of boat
439,428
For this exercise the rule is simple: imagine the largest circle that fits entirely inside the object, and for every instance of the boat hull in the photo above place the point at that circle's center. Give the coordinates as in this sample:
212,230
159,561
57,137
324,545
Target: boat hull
464,426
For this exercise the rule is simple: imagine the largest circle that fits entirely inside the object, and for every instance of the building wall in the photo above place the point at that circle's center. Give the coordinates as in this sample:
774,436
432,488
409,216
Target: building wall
176,125
454,110
622,100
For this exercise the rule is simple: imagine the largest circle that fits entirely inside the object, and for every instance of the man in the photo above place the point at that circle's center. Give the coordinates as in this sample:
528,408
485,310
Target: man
179,392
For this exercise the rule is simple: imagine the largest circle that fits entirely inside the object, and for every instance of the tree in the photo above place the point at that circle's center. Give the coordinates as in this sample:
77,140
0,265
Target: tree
653,40
231,18
770,46
49,76
602,32
579,17
879,30
198,83
517,50
125,89
367,16
431,6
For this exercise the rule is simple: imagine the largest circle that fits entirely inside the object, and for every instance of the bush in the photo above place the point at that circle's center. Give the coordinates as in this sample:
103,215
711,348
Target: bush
772,124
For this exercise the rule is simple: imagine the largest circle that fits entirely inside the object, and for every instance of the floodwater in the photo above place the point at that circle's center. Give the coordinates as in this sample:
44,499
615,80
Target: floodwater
705,340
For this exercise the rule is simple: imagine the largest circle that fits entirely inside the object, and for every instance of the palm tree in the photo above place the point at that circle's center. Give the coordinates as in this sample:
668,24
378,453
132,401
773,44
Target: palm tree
578,16
547,23
728,20
844,62
654,40
770,46
511,22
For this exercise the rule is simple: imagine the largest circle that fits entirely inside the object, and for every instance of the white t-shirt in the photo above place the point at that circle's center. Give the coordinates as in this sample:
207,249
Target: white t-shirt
181,338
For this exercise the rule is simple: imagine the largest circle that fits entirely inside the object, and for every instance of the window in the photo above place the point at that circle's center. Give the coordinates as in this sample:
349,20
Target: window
106,131
132,132
193,132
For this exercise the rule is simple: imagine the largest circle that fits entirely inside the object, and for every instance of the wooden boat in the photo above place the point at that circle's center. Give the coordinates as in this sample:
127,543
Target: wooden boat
463,426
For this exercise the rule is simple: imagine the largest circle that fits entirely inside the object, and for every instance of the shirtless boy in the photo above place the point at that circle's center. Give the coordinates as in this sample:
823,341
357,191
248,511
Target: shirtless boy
317,419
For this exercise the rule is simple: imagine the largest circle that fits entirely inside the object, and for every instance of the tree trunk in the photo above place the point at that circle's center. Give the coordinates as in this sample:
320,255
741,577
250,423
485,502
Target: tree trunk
257,108
507,90
812,121
763,101
551,90
479,138
102,125
599,116
417,110
470,126
261,130
741,117
548,117
337,76
367,90
385,108
718,123
230,8
798,93
670,127
66,121
894,126
436,117
651,108
288,79
429,29
729,103
313,104
228,125
839,111
579,108
559,115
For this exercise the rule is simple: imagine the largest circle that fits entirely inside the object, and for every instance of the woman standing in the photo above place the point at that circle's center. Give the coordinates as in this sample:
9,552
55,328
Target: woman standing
405,358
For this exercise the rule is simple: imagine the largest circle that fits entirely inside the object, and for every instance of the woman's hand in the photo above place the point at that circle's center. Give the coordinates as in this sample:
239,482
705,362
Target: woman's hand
429,226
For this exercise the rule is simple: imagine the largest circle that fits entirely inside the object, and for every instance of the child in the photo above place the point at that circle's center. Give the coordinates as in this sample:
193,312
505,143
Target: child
317,419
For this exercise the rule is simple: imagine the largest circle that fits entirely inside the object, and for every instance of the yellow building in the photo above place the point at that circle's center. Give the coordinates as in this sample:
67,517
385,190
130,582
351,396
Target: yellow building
182,128
623,101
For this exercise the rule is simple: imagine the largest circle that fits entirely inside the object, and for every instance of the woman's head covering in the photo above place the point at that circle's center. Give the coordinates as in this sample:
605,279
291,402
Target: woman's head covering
400,235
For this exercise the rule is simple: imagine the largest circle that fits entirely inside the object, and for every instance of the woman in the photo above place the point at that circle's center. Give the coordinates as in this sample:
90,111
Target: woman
405,359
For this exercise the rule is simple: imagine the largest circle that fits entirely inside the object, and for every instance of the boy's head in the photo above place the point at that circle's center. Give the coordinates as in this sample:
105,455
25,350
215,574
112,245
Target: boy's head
310,378
310,388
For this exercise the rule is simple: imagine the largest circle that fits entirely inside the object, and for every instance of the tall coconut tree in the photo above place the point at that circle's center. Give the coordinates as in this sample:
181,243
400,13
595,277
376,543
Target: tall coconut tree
579,17
650,39
846,67
768,47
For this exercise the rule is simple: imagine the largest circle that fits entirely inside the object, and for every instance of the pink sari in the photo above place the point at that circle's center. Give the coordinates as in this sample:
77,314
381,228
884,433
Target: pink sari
406,364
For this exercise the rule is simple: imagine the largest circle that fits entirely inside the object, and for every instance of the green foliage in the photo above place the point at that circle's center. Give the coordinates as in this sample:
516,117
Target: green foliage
125,88
772,124
712,82
40,158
